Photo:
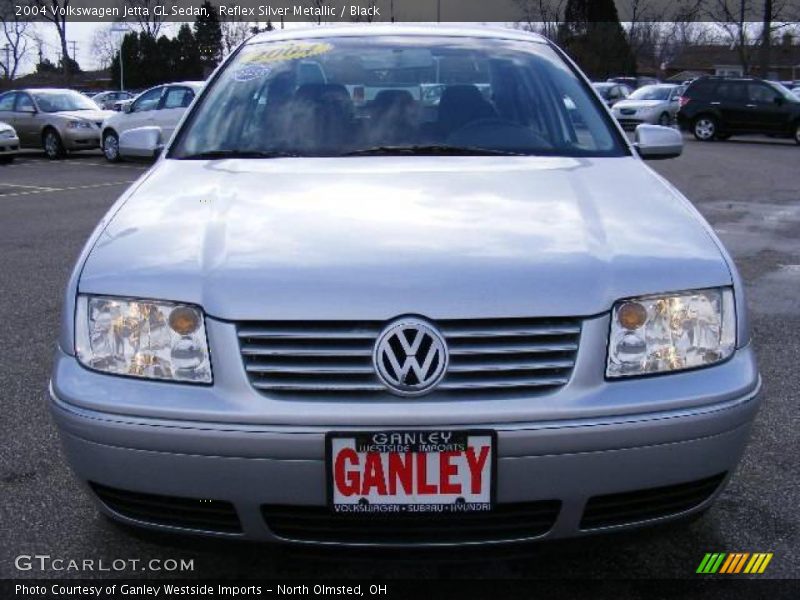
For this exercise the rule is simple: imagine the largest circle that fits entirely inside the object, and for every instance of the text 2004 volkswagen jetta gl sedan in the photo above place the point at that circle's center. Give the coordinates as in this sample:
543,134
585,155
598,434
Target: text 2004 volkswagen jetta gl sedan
382,288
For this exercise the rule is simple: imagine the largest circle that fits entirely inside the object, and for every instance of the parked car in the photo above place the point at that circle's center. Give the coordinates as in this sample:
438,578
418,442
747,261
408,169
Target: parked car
318,323
57,120
108,100
9,143
717,108
611,92
655,104
162,106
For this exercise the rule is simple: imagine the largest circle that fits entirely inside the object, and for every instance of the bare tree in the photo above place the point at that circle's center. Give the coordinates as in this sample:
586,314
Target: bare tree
735,19
105,46
149,22
56,13
235,30
542,16
14,38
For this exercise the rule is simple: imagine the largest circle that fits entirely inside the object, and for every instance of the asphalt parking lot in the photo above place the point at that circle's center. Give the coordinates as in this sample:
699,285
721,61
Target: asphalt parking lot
748,189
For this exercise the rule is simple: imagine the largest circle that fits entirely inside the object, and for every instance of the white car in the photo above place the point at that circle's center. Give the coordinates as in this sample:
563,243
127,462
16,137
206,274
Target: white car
9,143
161,106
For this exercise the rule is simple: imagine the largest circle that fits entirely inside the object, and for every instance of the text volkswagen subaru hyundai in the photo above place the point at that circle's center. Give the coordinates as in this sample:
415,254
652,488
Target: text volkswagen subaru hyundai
382,288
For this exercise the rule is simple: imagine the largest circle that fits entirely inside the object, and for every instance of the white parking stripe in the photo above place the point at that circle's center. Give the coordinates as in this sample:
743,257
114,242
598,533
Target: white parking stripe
66,189
30,187
36,162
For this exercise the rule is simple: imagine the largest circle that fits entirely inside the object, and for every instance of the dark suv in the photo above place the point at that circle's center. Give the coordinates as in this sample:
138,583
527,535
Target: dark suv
719,107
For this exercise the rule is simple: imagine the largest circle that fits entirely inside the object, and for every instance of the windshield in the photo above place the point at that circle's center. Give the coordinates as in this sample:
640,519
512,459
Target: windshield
785,92
405,94
652,92
61,100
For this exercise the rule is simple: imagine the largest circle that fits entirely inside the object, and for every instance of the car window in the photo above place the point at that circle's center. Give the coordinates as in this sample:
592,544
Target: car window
24,103
7,101
178,97
148,100
757,92
652,92
731,91
702,88
391,94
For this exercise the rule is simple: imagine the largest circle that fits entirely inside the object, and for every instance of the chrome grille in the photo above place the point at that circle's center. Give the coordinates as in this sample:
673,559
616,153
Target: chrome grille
529,355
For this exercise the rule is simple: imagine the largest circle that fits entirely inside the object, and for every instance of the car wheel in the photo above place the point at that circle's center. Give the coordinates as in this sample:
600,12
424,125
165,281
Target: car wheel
111,146
705,128
665,120
53,147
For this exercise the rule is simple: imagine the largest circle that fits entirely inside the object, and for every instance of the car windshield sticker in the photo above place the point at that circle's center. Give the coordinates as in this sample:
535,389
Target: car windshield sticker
251,72
288,51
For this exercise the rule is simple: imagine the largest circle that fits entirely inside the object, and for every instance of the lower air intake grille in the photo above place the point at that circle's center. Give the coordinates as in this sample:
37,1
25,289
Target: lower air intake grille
189,513
486,355
507,522
640,505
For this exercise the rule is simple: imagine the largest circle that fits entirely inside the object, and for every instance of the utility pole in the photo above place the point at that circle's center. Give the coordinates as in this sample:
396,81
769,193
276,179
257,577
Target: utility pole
74,45
122,30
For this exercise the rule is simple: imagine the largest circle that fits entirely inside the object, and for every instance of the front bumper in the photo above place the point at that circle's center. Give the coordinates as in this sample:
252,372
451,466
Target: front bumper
81,139
251,465
9,146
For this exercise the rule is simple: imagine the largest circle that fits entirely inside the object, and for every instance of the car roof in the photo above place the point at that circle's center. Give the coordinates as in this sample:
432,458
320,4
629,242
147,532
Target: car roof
381,29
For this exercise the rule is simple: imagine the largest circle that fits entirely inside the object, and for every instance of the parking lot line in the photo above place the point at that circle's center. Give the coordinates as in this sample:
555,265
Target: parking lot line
36,162
30,187
64,189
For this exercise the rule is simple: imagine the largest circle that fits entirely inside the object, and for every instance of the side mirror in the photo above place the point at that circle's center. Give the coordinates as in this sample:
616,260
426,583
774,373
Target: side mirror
141,142
654,142
126,108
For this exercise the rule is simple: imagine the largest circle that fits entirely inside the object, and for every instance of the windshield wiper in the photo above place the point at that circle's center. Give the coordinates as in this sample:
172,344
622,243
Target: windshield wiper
432,150
219,154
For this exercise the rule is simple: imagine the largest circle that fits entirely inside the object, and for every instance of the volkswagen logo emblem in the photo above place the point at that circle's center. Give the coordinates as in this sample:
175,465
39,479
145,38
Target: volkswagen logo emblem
410,357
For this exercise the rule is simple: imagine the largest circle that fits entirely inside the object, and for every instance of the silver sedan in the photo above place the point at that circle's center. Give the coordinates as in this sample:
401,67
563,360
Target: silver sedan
654,104
333,314
9,143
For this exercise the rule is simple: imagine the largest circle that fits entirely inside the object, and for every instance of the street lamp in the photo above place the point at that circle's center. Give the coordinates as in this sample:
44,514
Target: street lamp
120,28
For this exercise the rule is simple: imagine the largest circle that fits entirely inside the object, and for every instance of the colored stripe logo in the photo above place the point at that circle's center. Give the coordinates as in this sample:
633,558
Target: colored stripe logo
734,562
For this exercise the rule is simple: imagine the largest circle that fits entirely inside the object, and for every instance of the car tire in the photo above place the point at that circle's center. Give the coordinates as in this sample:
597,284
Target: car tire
705,128
665,120
52,144
111,146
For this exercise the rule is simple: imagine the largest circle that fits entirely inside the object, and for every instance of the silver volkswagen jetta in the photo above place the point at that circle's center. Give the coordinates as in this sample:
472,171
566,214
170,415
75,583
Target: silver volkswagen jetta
336,312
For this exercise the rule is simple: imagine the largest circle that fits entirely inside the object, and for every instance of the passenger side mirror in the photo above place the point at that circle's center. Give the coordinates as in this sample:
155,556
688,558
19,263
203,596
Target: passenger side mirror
654,142
141,143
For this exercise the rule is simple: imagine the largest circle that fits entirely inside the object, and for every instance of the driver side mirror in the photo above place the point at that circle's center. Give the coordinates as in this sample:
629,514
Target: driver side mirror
127,108
141,143
654,142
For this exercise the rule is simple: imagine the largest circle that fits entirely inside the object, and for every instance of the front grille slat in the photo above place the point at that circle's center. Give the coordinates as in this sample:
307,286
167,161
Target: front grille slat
513,355
506,522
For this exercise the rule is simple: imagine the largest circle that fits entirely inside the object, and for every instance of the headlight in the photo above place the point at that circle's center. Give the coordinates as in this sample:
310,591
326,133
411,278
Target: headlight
655,334
6,134
142,338
79,125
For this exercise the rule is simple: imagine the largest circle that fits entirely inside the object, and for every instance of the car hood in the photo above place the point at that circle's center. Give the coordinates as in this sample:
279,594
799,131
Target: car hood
84,115
376,237
637,104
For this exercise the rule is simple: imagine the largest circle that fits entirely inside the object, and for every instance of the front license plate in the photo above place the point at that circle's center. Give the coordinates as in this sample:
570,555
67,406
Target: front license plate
411,472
